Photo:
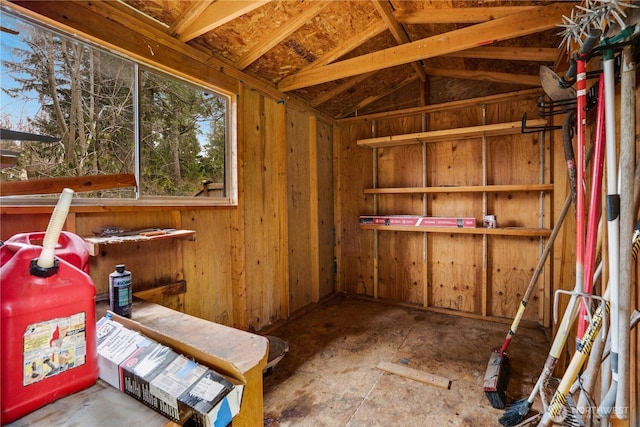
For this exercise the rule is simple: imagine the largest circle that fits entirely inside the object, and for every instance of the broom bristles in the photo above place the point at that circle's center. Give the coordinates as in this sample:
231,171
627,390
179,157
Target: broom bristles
515,413
496,379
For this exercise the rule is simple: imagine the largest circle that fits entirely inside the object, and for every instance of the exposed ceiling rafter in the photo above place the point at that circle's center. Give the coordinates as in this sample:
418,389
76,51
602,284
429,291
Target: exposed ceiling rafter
486,76
378,96
346,47
341,88
188,16
386,12
511,26
538,54
459,15
217,14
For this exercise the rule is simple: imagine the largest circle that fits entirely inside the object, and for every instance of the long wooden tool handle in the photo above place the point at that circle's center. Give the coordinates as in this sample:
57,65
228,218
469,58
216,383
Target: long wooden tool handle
536,274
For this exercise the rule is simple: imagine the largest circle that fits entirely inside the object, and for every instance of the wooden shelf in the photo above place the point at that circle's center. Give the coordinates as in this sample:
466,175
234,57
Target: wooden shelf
461,189
505,231
93,243
510,128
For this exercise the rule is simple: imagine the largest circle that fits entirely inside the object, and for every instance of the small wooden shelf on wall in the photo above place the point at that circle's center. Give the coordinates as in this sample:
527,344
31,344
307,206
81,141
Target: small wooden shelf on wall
499,129
505,231
93,243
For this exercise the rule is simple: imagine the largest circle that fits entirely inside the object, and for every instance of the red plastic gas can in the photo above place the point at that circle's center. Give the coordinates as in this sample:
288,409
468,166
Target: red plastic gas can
48,344
70,247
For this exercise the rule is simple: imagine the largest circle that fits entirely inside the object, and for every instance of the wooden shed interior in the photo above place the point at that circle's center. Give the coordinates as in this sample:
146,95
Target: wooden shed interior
356,109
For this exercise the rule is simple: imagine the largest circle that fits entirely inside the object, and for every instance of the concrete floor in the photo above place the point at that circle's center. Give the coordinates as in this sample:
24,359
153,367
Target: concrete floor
330,375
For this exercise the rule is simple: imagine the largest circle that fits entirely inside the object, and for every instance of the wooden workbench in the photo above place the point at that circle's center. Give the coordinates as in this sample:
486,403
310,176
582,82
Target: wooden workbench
232,351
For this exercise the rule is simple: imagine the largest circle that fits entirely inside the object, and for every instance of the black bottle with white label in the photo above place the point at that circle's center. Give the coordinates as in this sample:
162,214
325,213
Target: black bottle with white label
120,296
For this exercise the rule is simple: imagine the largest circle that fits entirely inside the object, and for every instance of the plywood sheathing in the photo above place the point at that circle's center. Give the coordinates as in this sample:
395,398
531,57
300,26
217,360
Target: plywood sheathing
263,44
444,271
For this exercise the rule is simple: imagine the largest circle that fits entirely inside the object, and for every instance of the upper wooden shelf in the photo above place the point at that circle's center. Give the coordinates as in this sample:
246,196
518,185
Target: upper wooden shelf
506,231
460,189
510,128
93,243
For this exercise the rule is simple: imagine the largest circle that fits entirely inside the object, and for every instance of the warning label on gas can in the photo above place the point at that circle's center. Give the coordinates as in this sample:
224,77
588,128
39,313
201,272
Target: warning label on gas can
53,347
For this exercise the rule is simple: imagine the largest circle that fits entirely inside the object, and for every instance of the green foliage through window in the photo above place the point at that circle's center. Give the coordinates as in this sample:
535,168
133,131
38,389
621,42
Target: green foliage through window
87,97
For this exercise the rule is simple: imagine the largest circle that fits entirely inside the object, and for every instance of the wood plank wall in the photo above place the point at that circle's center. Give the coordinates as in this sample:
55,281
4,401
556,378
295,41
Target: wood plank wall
446,271
250,265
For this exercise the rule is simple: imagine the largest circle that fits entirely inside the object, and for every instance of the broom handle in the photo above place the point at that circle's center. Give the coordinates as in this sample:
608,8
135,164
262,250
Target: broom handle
579,67
593,215
536,274
584,348
581,119
627,218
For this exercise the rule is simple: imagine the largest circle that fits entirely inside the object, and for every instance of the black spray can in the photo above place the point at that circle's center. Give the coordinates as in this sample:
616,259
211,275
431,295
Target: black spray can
120,296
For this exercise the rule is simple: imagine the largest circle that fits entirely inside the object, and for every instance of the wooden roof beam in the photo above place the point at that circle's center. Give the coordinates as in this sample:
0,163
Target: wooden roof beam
272,40
458,15
384,9
217,14
538,54
486,76
188,16
371,99
516,25
341,88
373,30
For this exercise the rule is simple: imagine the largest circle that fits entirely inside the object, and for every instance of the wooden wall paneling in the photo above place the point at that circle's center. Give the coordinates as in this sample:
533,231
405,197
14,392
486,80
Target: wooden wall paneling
299,205
512,262
237,220
400,264
207,266
15,224
338,205
459,275
326,228
356,272
279,132
455,271
400,267
261,203
400,254
452,163
313,208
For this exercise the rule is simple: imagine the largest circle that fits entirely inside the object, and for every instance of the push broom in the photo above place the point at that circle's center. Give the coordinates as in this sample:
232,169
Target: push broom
496,376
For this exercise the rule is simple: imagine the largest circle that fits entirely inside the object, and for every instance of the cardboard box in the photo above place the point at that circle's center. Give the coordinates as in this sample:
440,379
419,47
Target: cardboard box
418,221
172,384
143,366
448,222
410,220
115,344
206,398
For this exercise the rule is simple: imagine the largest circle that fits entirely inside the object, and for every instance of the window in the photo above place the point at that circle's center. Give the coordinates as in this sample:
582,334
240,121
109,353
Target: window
108,115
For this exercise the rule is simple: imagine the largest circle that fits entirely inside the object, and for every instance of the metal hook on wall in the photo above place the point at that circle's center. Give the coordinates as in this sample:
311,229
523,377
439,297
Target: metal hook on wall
548,107
533,129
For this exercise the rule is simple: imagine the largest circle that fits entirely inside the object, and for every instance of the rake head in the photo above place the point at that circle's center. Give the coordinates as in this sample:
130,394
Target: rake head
593,14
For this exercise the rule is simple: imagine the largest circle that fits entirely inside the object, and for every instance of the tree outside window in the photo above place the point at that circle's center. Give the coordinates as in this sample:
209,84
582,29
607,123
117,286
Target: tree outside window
86,97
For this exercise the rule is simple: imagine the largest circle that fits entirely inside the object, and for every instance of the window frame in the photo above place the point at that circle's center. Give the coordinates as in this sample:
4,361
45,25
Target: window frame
231,134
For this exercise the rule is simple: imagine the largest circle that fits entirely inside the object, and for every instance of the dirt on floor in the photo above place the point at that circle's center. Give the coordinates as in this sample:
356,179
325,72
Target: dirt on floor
330,376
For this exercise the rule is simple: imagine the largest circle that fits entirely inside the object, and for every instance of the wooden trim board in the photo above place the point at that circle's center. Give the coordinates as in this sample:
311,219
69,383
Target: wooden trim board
414,374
